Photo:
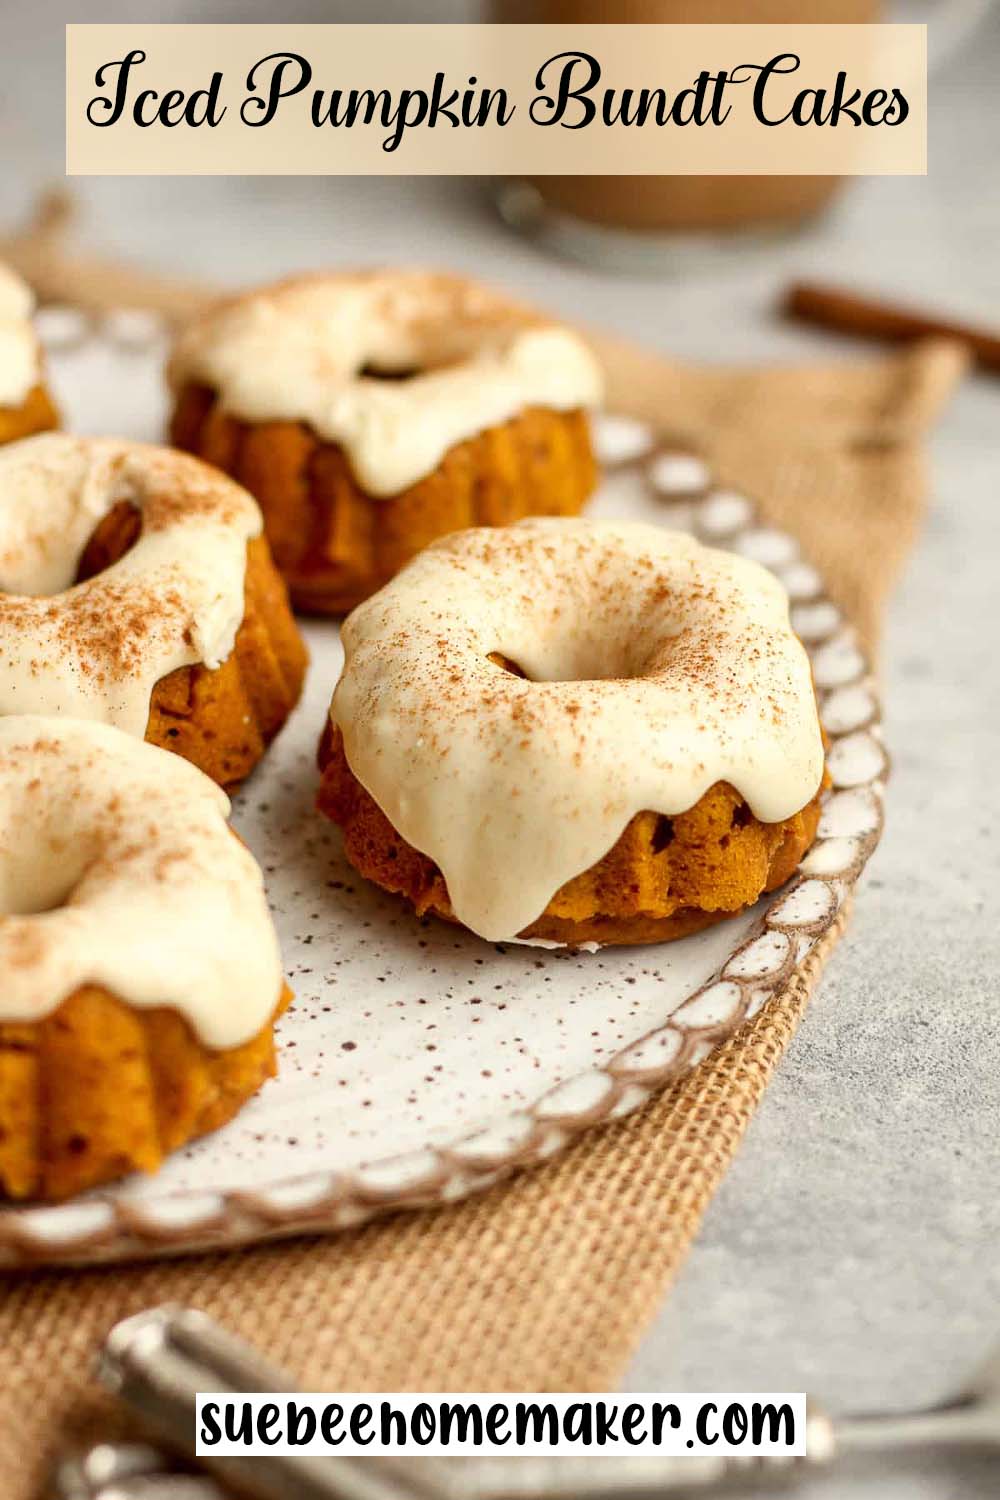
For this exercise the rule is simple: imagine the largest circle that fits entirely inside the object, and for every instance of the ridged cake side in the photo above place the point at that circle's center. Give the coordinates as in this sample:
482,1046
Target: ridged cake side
100,1088
334,543
664,878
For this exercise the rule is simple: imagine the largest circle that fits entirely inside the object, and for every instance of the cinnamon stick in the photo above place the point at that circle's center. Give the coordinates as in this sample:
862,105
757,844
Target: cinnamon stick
849,312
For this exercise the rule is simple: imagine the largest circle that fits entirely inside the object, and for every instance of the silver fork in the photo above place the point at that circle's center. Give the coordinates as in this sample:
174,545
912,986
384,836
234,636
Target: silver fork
157,1361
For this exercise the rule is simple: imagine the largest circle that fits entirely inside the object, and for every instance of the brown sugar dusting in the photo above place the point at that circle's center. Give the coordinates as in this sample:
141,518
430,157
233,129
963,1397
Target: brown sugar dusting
104,628
185,488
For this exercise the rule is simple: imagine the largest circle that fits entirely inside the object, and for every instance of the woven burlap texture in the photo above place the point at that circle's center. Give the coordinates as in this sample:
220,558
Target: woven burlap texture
548,1281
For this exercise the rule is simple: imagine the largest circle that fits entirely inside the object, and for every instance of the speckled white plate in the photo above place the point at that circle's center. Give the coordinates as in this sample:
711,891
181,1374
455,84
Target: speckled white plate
419,1063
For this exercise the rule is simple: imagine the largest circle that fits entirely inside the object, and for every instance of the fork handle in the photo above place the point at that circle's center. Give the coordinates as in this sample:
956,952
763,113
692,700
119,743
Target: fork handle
157,1362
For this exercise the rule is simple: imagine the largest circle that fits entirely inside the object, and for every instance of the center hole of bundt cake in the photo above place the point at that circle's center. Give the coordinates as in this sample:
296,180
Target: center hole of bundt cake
430,363
37,906
110,540
506,665
584,664
378,372
55,840
36,886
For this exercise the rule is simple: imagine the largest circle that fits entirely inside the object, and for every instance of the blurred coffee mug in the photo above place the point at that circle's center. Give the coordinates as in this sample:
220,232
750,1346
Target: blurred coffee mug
579,215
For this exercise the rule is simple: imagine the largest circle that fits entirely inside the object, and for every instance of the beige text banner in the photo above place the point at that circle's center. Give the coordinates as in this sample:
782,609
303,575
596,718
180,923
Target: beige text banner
493,99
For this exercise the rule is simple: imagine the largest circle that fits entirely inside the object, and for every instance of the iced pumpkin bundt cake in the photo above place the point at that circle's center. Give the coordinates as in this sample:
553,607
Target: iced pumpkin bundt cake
139,968
371,412
575,732
25,404
136,589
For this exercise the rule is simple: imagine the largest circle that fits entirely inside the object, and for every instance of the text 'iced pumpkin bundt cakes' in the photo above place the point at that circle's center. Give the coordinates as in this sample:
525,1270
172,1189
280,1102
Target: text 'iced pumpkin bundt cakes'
371,412
139,968
136,589
575,732
25,404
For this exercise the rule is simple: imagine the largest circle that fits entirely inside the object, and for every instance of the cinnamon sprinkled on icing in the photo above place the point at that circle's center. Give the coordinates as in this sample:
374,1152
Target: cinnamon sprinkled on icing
118,869
97,649
653,668
19,362
311,350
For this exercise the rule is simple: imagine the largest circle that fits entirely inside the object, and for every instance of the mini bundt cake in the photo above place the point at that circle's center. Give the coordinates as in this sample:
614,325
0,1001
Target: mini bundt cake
25,404
141,972
371,412
137,590
575,732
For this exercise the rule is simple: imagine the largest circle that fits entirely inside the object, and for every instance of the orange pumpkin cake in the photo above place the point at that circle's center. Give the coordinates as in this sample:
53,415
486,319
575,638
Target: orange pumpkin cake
575,732
370,412
136,589
25,404
141,972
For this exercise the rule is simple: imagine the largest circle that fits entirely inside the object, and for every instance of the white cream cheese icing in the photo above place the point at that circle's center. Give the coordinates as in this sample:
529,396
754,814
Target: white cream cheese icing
96,650
19,362
118,869
301,351
655,668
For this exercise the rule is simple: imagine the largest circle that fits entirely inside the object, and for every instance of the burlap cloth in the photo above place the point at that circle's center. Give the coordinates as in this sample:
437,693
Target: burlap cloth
548,1281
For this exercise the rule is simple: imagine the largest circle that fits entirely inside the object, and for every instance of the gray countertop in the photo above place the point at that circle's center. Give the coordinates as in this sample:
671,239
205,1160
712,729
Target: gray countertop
853,1248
